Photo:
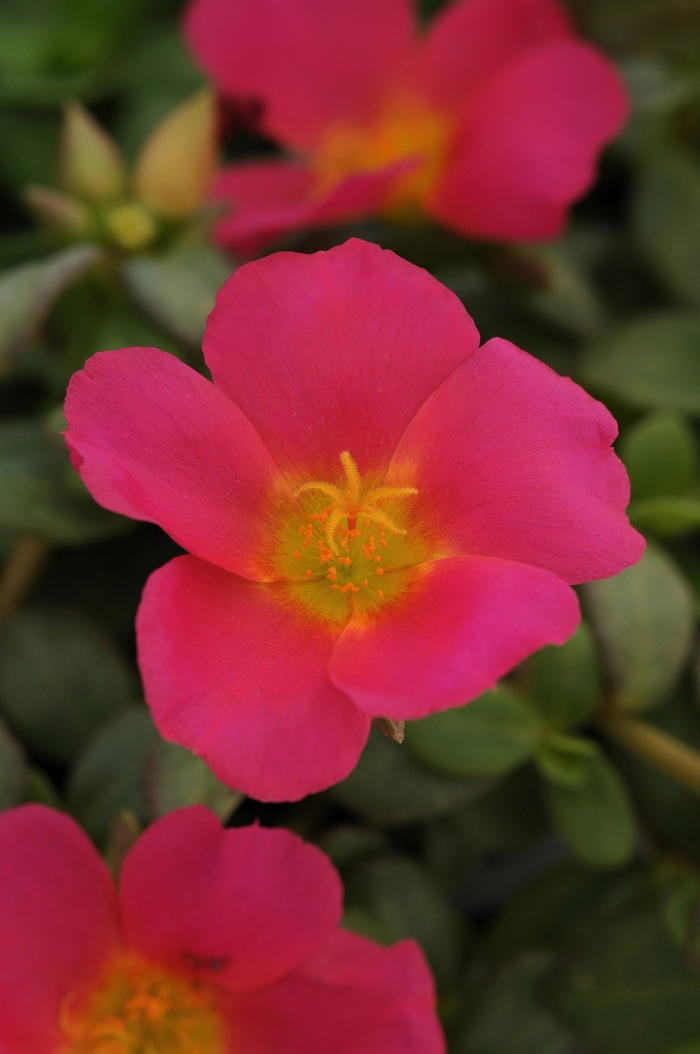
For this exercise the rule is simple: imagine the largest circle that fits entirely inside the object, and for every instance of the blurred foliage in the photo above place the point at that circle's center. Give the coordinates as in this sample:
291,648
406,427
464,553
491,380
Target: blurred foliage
551,875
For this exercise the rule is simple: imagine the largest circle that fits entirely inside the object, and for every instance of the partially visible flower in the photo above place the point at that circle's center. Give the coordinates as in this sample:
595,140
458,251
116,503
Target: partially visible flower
97,196
491,122
216,942
383,516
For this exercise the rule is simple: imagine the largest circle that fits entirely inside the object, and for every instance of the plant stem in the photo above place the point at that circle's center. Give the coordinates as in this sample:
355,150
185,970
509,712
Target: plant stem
22,564
666,753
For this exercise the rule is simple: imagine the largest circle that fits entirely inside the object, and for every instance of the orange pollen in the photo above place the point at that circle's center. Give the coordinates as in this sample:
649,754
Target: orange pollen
140,1008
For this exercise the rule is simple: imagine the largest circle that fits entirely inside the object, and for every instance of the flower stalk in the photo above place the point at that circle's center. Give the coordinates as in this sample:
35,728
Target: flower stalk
660,749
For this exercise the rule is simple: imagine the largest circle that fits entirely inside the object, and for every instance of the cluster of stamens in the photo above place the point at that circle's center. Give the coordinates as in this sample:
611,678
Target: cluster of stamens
141,1009
338,536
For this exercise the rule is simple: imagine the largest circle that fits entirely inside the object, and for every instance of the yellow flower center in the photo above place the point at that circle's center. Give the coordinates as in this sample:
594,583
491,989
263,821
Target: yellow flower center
140,1008
407,130
347,550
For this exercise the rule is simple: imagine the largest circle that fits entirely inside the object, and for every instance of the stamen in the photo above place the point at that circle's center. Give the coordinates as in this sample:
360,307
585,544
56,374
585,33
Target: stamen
326,488
387,492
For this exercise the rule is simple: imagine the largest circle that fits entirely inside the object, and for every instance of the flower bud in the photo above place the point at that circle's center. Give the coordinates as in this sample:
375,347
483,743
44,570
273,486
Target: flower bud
91,165
131,226
58,212
177,161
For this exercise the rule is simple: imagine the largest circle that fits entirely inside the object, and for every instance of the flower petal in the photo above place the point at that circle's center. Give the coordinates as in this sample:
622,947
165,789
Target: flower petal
240,678
469,621
334,351
513,461
153,439
531,144
310,61
58,923
239,907
471,41
351,997
270,198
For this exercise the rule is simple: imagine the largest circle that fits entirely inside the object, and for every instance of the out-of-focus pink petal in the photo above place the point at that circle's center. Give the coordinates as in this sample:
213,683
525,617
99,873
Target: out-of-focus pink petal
310,61
334,351
238,907
530,145
470,41
239,676
269,198
58,923
351,997
468,622
513,461
154,440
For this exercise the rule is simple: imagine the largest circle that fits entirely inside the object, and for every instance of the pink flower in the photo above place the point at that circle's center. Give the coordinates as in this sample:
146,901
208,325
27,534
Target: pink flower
215,942
491,122
383,516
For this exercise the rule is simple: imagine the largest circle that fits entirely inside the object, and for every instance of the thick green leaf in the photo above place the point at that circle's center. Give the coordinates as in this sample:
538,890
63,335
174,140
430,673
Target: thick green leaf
14,774
558,906
389,787
348,843
491,735
666,517
509,1018
41,494
667,223
392,897
643,619
595,818
178,291
624,988
652,362
565,759
28,292
175,778
60,678
660,454
564,681
108,775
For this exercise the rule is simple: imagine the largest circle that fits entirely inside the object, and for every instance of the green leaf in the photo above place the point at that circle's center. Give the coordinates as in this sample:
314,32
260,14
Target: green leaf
624,988
660,453
390,898
643,619
558,905
108,775
491,735
565,759
178,290
667,223
389,787
14,774
509,1018
595,818
175,778
652,362
348,843
666,517
60,678
564,681
40,492
28,292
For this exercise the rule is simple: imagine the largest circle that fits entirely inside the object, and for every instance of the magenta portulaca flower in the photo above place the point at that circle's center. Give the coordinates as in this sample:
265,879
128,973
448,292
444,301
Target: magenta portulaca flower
383,518
215,942
490,122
